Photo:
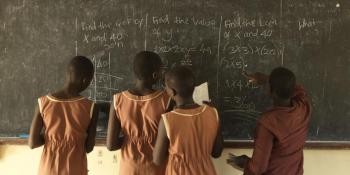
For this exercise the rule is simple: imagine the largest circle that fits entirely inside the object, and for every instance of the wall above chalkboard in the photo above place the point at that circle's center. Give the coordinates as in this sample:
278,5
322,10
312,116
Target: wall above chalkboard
218,39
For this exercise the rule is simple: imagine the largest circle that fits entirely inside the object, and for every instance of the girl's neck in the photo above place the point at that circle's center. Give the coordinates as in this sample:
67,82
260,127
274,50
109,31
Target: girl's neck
68,91
143,88
185,103
282,103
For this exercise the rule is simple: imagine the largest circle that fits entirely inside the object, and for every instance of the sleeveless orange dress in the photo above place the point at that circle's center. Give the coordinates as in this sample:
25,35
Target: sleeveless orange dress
66,123
192,134
139,117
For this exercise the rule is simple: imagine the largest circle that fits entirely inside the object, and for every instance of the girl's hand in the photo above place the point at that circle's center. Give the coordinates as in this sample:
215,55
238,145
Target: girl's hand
238,162
256,78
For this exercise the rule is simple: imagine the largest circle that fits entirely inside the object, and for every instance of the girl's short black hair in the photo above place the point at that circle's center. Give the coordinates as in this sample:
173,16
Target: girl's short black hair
82,66
182,80
145,64
282,82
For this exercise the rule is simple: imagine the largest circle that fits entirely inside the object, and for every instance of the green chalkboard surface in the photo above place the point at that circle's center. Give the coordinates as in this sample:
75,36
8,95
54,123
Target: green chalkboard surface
218,39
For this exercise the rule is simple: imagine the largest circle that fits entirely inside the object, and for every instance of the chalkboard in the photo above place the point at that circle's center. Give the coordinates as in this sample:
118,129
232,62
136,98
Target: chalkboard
218,39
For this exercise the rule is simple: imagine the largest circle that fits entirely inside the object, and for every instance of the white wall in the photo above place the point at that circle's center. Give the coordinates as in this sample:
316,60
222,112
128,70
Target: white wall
20,160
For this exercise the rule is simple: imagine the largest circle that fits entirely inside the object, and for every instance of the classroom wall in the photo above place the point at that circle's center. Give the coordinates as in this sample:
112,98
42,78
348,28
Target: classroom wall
19,160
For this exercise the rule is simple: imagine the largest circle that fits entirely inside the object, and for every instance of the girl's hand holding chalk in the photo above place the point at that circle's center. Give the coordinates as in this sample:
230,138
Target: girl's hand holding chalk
256,78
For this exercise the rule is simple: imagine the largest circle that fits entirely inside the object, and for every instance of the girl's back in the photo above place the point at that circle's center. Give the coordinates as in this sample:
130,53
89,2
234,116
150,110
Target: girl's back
66,123
139,118
191,133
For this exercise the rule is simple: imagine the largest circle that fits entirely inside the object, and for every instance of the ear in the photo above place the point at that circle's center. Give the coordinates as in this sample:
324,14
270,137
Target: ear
155,75
70,78
173,92
85,81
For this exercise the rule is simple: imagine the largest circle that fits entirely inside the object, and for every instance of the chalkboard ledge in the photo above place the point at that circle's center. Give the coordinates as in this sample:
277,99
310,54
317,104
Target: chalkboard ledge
239,144
309,144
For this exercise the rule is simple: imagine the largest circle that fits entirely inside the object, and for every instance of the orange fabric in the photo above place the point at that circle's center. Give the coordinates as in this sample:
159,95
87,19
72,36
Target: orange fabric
192,134
139,117
280,138
66,124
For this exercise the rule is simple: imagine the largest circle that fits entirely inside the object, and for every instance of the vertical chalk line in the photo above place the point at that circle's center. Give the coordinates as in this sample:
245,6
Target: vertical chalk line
109,72
281,27
95,78
218,59
146,28
76,32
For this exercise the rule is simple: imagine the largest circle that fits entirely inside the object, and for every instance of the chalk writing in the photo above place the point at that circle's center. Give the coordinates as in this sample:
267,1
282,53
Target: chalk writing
233,63
169,35
239,102
239,84
240,22
104,84
252,50
304,23
252,34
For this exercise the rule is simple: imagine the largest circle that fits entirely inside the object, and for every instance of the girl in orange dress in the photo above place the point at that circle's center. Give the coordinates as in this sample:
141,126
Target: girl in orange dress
69,124
136,113
190,134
